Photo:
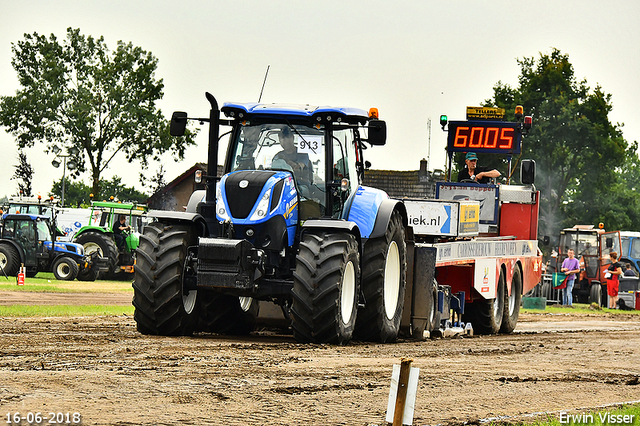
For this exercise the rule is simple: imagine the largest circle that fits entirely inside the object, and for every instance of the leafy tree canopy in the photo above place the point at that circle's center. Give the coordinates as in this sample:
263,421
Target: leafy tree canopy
77,194
79,94
581,157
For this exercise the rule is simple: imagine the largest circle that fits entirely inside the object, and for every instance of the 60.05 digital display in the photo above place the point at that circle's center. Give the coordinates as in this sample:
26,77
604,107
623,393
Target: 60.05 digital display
484,136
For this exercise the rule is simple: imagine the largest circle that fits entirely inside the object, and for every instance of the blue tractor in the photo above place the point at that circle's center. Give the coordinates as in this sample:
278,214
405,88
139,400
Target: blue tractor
28,240
289,222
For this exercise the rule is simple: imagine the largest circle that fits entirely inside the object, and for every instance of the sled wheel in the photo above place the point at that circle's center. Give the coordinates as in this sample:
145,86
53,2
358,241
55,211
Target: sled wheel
512,303
486,314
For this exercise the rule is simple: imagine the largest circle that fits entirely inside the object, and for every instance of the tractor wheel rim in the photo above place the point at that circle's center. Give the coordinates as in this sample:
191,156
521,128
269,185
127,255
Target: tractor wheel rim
63,270
391,280
189,300
512,302
90,248
245,303
347,293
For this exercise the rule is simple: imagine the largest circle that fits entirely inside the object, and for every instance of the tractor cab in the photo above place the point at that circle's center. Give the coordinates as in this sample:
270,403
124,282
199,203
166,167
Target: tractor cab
31,233
591,246
319,149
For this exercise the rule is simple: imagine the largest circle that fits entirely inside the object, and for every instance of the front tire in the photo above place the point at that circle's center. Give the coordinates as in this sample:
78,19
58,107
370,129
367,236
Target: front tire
486,314
94,241
163,305
512,303
325,288
384,278
88,274
65,269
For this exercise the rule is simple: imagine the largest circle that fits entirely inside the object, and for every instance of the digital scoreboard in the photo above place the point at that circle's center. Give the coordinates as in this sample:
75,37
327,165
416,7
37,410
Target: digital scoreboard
497,137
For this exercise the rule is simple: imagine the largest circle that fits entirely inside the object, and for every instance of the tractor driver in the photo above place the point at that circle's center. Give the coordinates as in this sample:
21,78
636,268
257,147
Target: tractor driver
474,173
299,163
118,228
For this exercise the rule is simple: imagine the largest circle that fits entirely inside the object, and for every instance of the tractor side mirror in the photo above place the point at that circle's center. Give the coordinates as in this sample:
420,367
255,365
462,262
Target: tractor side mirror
528,172
377,132
546,240
609,242
178,123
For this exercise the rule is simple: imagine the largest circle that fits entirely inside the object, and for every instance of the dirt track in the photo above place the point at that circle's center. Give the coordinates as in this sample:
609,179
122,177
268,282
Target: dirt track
103,369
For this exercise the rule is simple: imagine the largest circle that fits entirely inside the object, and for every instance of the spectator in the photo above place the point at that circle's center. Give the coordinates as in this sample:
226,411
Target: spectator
570,266
613,275
628,272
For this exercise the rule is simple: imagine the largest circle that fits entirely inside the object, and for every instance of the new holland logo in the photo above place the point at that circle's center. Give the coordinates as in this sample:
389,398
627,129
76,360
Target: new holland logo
243,183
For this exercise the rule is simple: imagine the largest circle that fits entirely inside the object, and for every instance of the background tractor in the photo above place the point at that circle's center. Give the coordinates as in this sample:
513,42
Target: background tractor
98,237
28,239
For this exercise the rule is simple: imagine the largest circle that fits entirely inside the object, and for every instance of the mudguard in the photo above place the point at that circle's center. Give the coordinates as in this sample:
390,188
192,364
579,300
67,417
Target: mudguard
328,224
365,207
169,216
385,209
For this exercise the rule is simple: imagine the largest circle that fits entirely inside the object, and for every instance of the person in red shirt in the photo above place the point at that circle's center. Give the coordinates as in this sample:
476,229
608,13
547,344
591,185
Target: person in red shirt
615,269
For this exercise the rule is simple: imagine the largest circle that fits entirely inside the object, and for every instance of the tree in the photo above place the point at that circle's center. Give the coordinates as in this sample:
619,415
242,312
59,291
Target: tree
78,194
579,153
24,175
80,94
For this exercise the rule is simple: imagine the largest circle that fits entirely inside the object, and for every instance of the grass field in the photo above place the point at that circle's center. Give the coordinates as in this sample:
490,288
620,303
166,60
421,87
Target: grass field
579,308
63,310
626,414
46,282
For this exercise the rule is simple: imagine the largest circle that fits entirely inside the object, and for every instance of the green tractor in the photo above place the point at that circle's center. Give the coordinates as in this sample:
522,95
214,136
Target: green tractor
99,236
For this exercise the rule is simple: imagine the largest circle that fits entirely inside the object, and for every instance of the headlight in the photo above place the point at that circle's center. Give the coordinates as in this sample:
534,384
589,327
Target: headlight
220,209
263,207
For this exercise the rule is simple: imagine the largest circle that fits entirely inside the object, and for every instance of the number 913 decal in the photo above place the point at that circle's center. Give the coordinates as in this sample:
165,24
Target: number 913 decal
478,136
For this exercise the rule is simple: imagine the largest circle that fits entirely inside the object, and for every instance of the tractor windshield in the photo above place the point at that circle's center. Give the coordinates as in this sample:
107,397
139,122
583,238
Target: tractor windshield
299,149
44,234
296,148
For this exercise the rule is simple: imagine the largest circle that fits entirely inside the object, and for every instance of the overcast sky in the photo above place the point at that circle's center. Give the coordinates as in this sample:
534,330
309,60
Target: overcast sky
413,60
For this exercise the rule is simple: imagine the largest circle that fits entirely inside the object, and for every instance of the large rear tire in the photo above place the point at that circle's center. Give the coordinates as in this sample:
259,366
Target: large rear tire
512,303
9,260
163,305
65,268
325,288
486,314
224,314
384,278
93,241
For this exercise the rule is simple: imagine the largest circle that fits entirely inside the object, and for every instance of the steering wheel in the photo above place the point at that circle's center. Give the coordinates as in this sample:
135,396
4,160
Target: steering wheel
468,181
